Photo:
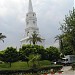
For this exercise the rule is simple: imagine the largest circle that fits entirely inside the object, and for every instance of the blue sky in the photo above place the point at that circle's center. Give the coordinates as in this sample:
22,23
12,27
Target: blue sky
49,14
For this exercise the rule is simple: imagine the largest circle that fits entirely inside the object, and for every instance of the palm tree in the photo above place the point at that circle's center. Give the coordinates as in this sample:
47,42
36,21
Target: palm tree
2,37
34,58
34,38
60,38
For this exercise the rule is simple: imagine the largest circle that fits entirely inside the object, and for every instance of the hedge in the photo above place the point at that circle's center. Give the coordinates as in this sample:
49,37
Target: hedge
32,70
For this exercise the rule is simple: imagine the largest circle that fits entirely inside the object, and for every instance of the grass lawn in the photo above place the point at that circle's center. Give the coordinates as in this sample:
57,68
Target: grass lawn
17,67
21,65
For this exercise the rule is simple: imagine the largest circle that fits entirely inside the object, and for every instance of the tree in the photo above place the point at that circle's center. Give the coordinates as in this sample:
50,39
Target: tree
42,51
10,55
60,38
67,47
53,53
23,56
34,38
28,50
2,37
34,58
25,51
68,29
1,55
68,51
64,45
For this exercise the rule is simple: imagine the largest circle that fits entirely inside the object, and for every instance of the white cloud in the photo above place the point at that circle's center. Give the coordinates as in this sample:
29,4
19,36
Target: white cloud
74,3
49,14
11,7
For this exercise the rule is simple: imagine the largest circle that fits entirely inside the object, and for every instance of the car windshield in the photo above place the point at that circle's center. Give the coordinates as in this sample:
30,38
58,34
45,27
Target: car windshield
64,59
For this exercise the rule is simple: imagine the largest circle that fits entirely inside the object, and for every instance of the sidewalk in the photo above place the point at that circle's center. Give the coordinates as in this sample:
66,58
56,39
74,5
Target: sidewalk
66,71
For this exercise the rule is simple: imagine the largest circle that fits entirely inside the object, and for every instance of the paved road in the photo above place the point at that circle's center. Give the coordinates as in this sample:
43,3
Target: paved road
66,71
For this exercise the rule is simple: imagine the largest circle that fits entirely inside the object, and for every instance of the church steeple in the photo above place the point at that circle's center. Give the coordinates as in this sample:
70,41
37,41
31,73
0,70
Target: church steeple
31,25
30,9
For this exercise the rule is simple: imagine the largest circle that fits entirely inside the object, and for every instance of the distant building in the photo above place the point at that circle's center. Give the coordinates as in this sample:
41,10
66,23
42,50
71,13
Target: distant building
31,25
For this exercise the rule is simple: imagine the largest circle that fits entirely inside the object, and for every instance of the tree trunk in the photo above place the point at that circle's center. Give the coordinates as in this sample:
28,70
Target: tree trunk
61,45
38,63
27,63
33,43
10,64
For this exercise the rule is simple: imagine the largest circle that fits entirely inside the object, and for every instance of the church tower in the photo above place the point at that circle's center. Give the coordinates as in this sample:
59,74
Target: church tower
31,21
31,24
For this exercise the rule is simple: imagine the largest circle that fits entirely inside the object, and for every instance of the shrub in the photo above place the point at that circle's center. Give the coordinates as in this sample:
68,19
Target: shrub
54,67
36,70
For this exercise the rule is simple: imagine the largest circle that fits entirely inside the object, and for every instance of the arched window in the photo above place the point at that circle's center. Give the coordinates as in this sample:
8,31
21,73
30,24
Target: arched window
27,15
27,33
34,22
33,14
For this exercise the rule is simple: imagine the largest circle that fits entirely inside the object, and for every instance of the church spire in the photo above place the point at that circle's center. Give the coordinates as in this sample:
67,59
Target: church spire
30,6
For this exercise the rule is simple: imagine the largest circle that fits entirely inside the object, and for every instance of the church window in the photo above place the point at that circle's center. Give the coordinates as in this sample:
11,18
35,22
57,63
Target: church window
27,33
27,15
34,22
33,14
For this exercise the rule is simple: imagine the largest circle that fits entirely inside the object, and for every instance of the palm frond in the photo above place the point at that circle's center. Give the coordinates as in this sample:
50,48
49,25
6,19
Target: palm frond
2,37
35,38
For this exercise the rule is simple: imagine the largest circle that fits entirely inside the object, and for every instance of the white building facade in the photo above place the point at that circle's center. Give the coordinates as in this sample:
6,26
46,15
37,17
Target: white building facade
31,25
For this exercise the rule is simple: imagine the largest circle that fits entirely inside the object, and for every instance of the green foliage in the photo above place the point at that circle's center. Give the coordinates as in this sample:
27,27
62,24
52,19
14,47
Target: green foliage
42,51
68,29
10,55
33,53
19,67
55,68
1,55
23,65
68,50
50,53
53,53
45,62
34,58
14,66
59,37
29,52
26,50
34,38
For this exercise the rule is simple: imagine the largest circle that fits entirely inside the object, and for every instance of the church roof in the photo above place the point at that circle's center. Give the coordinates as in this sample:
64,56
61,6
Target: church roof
24,39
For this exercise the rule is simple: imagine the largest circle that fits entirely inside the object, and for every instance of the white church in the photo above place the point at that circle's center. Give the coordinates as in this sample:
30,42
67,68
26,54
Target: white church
31,26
